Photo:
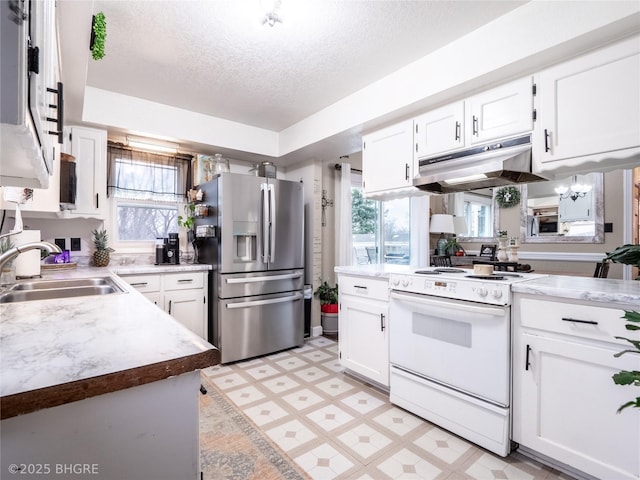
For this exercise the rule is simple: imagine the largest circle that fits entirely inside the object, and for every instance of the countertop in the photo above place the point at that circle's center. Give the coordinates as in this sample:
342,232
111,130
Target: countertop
380,270
604,290
62,350
164,268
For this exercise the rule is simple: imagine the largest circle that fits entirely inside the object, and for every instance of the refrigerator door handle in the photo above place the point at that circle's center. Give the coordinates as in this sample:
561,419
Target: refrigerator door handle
263,279
272,223
269,301
265,221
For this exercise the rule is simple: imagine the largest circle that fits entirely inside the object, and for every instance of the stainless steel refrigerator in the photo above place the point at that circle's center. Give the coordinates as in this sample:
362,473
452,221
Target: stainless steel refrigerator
257,255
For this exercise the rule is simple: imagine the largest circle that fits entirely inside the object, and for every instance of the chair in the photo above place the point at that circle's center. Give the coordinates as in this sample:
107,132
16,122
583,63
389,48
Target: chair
602,270
372,253
441,260
488,251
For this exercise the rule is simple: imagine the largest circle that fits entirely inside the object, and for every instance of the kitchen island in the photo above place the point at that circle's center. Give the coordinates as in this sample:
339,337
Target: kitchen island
109,383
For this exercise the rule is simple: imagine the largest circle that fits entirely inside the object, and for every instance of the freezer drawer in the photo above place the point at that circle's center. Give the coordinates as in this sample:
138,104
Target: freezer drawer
233,285
258,325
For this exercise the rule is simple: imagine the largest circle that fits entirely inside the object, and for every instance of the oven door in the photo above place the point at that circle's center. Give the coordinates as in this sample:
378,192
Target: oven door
458,344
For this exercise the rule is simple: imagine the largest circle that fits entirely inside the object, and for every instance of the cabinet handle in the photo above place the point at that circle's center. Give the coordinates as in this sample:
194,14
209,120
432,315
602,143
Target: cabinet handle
169,307
406,171
457,131
546,140
416,148
97,200
574,320
59,120
360,286
475,125
526,362
139,284
382,322
185,280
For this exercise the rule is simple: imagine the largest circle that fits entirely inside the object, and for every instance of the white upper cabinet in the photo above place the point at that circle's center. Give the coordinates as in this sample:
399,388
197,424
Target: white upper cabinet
387,159
589,112
501,112
89,147
439,130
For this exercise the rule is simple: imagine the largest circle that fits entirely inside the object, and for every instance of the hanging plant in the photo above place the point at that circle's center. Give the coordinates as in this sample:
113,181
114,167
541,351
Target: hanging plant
508,197
98,35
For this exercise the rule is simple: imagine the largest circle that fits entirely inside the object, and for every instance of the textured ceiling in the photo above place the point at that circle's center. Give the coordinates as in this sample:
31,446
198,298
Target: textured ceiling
215,57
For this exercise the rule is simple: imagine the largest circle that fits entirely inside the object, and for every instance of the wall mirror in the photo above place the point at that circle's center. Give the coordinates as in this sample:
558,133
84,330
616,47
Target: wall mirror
569,210
480,211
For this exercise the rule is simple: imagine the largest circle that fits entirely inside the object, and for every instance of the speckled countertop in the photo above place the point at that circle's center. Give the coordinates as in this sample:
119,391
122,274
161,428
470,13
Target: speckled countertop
605,290
62,350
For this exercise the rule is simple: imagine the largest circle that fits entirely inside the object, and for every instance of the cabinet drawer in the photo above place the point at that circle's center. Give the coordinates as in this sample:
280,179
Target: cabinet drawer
183,281
143,283
364,287
586,321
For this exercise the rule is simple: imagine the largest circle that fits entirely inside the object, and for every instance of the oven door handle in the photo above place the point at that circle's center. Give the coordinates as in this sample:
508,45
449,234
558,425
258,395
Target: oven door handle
424,301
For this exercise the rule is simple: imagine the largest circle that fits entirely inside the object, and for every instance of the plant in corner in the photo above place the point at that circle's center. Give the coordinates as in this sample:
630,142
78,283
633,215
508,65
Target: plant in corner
328,297
101,256
628,254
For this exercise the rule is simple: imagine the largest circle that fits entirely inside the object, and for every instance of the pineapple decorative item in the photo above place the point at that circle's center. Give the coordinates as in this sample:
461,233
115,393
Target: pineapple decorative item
101,255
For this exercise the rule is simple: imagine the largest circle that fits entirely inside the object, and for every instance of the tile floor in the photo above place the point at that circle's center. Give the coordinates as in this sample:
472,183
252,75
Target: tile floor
336,427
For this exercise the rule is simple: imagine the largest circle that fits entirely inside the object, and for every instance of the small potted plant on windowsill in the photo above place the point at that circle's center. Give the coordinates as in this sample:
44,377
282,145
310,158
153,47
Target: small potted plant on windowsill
188,223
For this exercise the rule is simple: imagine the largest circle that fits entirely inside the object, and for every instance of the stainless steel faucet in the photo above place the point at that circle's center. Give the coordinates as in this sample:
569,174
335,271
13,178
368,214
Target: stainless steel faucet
15,251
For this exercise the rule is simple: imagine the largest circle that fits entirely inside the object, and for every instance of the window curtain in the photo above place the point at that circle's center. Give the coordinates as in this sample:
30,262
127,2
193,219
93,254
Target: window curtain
344,250
139,175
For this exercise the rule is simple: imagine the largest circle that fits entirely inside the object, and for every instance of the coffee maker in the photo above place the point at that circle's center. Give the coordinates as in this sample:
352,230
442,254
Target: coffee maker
168,250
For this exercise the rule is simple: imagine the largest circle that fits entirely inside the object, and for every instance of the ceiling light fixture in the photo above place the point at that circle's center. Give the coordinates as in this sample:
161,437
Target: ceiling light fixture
152,145
577,190
272,9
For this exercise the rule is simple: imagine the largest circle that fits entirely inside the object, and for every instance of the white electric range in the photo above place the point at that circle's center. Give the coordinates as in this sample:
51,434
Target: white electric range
450,350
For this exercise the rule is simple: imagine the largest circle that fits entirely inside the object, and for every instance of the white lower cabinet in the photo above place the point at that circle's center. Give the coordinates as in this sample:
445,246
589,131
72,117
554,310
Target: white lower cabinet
564,400
363,327
182,295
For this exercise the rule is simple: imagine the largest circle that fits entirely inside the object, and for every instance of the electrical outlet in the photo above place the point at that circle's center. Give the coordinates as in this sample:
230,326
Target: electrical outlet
61,242
75,244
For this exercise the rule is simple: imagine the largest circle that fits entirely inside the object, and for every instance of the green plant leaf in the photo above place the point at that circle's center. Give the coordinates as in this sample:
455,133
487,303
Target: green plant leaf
625,377
631,403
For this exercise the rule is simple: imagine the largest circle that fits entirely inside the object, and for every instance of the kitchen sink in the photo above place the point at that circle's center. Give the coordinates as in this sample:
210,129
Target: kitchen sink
51,289
72,282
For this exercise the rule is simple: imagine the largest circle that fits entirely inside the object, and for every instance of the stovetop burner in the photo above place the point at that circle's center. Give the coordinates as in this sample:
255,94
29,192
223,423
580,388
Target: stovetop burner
449,270
427,272
486,277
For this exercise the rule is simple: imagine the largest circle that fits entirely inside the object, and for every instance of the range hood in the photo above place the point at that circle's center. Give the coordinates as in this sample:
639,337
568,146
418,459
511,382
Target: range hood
495,164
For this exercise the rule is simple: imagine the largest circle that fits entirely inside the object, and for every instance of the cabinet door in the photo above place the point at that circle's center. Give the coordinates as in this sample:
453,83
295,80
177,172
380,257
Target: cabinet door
387,158
589,106
439,130
188,308
574,210
363,337
89,147
500,112
565,406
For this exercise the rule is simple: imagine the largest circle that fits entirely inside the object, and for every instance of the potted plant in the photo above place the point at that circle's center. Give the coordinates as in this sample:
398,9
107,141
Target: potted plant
628,254
454,248
328,297
101,256
98,36
188,220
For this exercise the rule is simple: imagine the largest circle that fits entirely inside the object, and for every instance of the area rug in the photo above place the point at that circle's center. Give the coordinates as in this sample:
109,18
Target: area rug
232,447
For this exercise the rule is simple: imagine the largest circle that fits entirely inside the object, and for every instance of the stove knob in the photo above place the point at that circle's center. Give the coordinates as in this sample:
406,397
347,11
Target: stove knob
482,291
405,282
395,281
496,293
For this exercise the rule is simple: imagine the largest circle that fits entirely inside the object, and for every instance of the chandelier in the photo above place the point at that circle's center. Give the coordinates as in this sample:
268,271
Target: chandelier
577,190
272,12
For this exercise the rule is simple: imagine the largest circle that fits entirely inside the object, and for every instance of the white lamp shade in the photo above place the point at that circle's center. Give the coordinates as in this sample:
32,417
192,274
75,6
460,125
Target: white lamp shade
460,225
441,223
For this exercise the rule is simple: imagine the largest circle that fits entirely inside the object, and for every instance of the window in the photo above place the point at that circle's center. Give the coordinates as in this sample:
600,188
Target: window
478,213
380,230
147,190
